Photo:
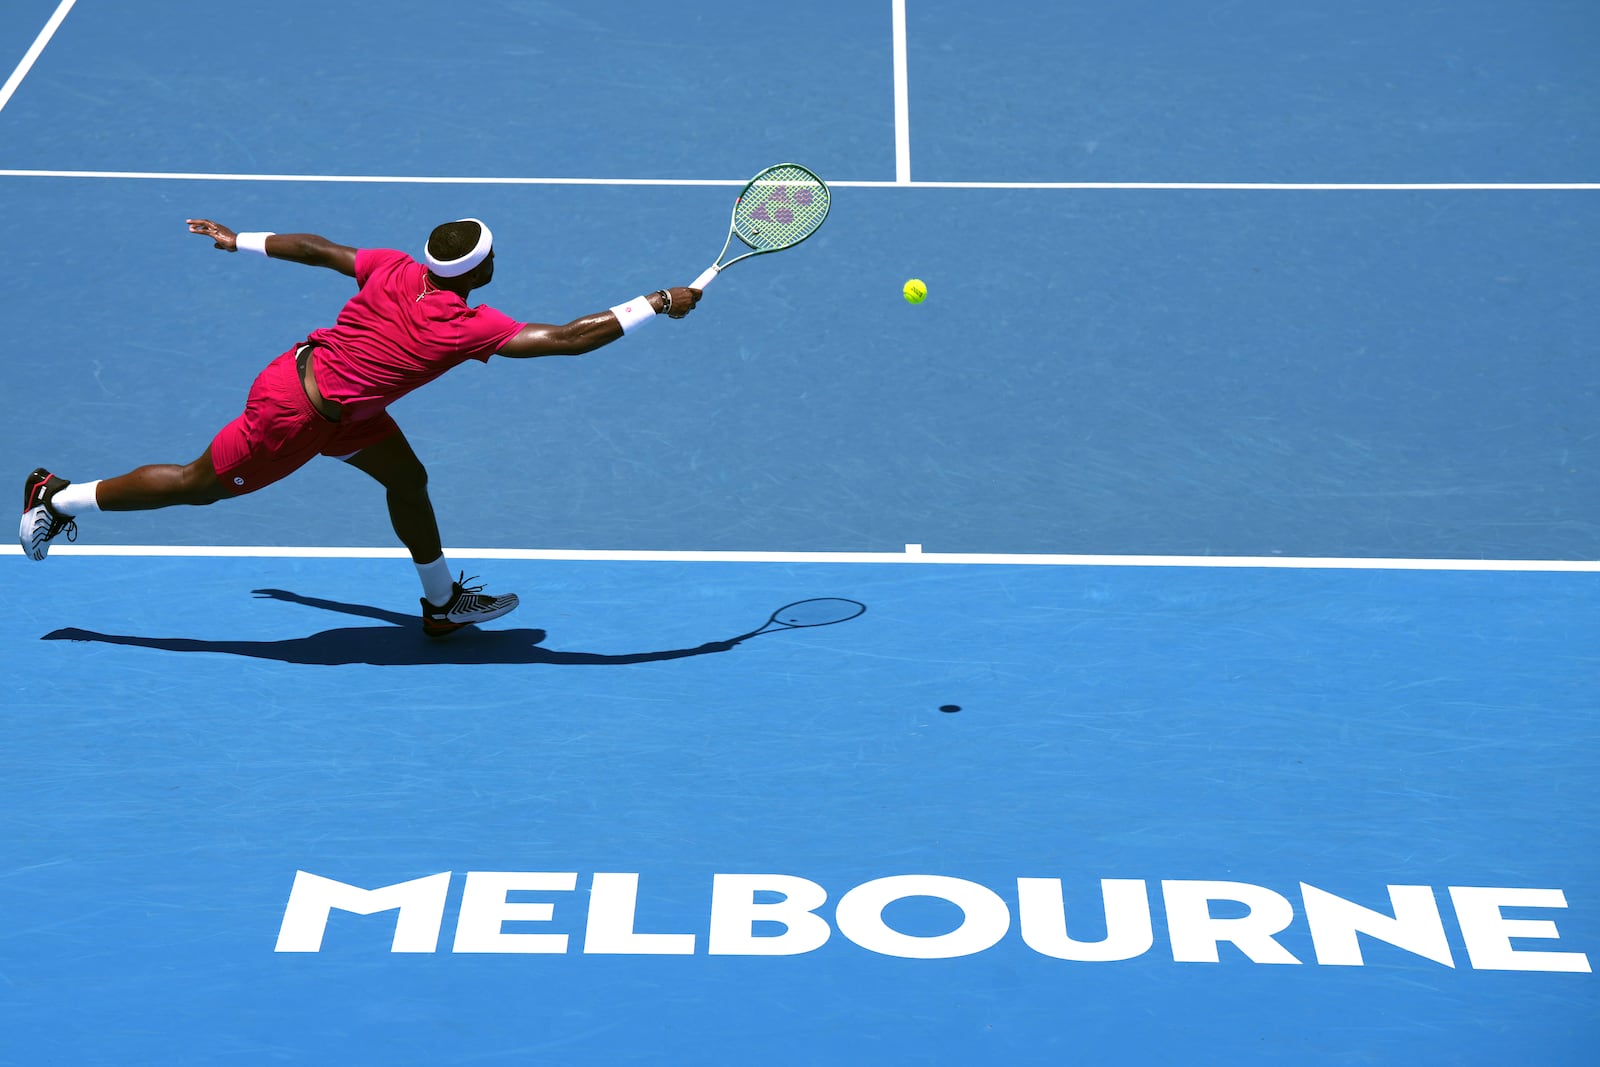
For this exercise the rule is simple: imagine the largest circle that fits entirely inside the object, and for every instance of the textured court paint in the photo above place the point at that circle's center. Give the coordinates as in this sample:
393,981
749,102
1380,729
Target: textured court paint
547,77
1258,90
1407,374
1400,375
31,56
1349,731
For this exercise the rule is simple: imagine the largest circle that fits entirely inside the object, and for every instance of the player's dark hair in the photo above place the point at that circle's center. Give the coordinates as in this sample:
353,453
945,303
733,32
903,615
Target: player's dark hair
452,240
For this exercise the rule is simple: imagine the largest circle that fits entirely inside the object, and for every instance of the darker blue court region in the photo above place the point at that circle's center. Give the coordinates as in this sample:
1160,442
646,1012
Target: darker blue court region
20,23
1263,814
1215,373
1256,91
552,90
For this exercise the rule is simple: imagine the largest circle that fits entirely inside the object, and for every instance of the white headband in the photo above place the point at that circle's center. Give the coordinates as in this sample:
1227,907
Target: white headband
454,268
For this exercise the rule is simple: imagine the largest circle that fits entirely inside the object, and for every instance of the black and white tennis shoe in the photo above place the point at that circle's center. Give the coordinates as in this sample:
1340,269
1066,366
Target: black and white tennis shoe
468,604
41,524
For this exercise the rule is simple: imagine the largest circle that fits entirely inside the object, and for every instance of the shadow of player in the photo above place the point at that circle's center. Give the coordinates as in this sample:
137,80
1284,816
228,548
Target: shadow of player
398,642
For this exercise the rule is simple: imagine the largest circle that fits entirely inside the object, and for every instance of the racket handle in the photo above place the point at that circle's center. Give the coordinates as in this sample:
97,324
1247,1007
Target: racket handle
704,279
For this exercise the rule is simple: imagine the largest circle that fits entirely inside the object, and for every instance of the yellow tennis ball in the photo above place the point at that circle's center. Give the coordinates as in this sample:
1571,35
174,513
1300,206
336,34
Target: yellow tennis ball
916,291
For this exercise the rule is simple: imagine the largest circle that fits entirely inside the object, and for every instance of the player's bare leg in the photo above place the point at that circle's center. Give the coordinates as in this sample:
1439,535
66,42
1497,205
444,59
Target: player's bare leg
162,485
50,504
447,605
405,481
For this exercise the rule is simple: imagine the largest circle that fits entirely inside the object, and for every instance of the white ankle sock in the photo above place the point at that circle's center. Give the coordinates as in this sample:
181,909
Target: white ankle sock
437,582
76,499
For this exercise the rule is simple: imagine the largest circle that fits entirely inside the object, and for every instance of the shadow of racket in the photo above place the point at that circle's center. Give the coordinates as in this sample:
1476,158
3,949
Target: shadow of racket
818,611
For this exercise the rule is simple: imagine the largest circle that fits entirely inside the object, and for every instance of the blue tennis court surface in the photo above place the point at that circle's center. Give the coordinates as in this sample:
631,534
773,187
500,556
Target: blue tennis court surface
1226,686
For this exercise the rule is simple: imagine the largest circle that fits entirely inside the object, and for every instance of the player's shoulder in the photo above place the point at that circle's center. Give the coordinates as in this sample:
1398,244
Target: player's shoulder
489,313
383,256
377,262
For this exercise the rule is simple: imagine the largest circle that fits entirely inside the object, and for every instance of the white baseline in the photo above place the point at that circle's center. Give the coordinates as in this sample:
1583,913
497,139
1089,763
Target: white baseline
910,554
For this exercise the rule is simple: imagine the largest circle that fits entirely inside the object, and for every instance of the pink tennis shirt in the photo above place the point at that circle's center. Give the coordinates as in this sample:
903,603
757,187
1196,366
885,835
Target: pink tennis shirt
390,338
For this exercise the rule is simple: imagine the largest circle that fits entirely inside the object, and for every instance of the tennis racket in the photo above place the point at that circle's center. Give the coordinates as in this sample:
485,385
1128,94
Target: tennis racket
777,209
821,611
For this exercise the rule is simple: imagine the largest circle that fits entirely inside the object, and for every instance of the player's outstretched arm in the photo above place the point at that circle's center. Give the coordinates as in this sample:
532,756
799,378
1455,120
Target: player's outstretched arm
305,248
592,331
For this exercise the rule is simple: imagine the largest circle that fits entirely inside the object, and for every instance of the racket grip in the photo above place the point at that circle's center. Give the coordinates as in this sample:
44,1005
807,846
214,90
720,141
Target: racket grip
704,279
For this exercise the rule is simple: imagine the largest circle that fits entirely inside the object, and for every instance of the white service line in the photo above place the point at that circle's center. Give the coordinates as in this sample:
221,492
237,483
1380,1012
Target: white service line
423,179
33,52
1268,186
912,553
375,179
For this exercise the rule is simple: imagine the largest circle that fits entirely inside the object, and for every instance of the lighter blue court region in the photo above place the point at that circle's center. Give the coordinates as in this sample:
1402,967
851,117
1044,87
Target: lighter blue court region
172,769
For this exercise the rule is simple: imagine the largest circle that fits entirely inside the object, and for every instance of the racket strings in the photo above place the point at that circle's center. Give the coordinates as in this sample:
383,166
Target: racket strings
781,207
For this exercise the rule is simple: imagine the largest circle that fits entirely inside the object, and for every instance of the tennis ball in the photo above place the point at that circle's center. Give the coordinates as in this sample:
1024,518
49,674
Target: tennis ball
916,291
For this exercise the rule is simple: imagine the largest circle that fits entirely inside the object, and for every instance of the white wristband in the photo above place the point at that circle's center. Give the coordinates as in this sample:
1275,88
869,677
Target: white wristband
252,242
634,312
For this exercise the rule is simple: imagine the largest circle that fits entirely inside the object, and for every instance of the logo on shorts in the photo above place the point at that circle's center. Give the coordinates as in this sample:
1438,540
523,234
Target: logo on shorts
238,481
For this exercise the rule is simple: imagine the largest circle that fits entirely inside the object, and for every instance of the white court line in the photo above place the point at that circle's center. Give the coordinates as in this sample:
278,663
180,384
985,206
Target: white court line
379,179
33,52
902,99
422,179
911,554
902,179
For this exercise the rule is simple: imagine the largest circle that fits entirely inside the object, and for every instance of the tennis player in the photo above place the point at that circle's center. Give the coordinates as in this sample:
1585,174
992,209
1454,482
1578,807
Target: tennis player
329,395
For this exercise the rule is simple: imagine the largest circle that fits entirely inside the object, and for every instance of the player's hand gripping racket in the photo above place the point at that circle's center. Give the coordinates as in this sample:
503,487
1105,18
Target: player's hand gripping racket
822,611
777,209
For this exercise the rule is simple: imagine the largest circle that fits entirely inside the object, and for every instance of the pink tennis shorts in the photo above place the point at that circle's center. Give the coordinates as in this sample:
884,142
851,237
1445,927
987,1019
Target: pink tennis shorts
280,432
